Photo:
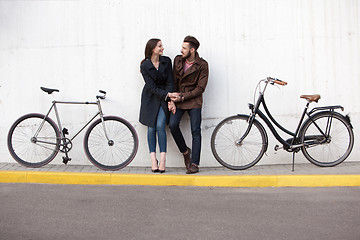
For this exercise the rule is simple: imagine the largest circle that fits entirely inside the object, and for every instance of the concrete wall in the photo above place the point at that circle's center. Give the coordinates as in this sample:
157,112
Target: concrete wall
80,47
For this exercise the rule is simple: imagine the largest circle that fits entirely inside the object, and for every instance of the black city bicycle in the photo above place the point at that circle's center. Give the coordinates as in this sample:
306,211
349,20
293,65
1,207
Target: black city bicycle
110,142
325,138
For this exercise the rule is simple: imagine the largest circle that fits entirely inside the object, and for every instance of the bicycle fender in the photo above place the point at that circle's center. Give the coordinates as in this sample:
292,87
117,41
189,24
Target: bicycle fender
347,118
261,126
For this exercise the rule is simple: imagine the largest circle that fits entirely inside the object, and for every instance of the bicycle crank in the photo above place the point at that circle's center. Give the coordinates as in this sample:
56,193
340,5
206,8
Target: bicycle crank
66,146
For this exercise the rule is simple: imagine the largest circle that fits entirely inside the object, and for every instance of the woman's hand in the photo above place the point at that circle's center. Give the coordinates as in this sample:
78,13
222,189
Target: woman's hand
172,107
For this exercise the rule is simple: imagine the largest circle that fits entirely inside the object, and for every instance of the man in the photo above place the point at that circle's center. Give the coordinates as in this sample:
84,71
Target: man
190,79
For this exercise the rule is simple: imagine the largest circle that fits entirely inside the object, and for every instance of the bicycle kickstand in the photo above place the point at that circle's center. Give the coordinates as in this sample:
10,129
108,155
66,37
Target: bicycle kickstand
293,162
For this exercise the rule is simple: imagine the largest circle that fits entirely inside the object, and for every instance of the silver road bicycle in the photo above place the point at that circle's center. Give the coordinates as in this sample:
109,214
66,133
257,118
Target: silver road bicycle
110,142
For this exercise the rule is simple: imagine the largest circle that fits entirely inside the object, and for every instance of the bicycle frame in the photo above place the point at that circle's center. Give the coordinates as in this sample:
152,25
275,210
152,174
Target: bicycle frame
62,131
293,143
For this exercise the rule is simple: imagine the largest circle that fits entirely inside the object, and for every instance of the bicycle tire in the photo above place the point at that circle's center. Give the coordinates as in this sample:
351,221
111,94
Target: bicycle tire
332,152
26,148
105,155
236,156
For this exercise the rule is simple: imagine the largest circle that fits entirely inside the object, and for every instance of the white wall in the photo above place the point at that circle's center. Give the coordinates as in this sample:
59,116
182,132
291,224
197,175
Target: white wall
82,46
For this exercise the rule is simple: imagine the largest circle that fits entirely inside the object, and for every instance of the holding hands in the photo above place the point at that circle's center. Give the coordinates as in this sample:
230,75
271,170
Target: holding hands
175,97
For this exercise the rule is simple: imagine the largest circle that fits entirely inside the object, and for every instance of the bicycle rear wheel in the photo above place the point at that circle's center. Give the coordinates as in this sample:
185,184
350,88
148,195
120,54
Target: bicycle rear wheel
229,152
114,152
33,140
331,151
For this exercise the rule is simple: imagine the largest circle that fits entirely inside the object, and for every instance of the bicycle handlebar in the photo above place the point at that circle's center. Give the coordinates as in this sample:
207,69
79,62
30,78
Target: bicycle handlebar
277,81
101,97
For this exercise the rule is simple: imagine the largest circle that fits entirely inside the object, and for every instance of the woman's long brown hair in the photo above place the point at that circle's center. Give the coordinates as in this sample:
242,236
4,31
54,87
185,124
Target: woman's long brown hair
150,45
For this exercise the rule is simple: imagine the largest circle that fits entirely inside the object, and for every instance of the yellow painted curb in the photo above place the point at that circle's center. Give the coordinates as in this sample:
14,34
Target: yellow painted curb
179,180
155,180
69,178
13,177
236,181
318,180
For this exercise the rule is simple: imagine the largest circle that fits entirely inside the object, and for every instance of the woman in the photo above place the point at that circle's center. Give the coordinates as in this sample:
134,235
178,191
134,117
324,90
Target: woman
154,112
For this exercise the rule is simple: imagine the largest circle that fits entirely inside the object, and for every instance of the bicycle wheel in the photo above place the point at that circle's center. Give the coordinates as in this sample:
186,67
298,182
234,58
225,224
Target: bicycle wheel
229,152
33,140
117,151
322,151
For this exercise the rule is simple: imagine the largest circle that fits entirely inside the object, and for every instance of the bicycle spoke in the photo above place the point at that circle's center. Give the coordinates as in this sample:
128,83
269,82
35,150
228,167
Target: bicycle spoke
234,154
338,145
123,145
31,150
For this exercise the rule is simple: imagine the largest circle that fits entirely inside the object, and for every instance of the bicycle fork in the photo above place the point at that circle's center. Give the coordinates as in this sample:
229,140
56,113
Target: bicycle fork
110,142
250,121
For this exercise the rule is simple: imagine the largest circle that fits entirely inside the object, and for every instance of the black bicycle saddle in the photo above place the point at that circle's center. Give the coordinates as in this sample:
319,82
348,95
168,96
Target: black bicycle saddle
49,90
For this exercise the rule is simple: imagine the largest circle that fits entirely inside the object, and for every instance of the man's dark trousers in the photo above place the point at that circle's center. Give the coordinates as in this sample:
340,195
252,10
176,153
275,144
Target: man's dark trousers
195,121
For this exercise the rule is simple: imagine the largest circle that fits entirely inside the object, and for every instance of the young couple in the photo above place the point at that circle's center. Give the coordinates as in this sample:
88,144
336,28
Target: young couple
169,93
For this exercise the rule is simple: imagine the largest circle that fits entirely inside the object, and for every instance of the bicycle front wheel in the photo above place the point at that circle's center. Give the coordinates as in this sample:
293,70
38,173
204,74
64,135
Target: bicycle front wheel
227,148
113,150
328,139
33,140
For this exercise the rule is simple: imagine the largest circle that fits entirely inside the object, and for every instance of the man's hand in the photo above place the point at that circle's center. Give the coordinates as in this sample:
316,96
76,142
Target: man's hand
175,97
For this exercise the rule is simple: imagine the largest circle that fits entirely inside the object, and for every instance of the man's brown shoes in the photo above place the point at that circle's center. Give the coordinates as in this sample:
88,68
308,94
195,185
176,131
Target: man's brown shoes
193,169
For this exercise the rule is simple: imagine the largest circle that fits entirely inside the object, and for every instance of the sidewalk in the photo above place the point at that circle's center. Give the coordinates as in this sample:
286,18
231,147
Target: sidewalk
305,175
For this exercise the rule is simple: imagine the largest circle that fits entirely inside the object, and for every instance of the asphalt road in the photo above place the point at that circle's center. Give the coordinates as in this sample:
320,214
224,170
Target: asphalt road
40,211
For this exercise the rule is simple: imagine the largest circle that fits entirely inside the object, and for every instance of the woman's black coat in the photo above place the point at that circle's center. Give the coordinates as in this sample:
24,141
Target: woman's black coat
158,83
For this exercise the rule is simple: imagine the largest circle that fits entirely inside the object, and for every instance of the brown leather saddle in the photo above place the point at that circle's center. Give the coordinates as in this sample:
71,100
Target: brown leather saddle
311,98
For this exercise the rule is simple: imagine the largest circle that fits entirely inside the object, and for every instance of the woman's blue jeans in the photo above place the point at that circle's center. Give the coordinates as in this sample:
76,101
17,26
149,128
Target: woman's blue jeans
159,128
195,122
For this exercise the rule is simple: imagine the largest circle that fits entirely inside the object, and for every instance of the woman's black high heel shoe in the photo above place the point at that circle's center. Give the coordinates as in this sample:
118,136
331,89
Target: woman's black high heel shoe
156,170
161,171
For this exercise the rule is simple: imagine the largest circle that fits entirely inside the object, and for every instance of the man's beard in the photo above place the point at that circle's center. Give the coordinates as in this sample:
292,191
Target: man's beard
187,56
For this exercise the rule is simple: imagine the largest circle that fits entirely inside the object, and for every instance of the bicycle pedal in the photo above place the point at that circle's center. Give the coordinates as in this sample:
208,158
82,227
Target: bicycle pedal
65,131
66,160
277,147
